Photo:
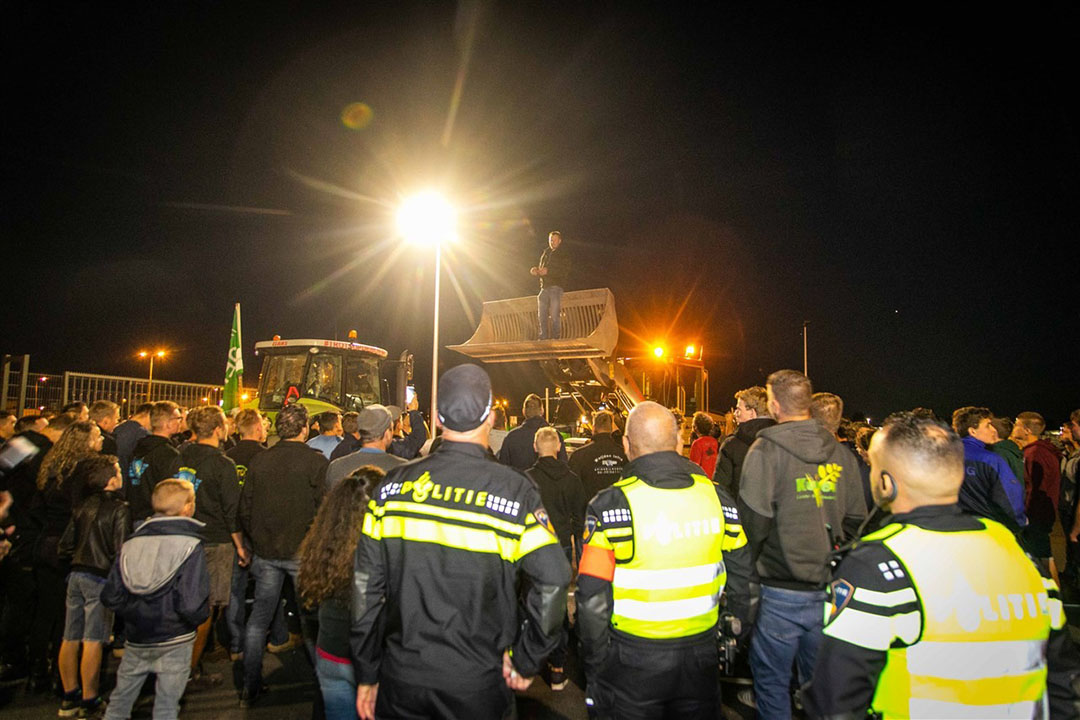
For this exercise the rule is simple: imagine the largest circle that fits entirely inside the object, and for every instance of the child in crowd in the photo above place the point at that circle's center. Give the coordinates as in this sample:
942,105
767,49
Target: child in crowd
161,588
91,541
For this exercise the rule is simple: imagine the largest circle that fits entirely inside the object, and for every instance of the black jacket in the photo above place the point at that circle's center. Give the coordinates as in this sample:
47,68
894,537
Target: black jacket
789,467
150,461
599,463
108,443
408,447
733,452
517,448
242,454
282,492
21,482
435,584
557,263
217,489
97,530
563,497
160,584
349,444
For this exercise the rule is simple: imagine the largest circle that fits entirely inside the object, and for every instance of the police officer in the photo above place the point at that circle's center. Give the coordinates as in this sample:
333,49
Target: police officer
651,576
939,613
436,629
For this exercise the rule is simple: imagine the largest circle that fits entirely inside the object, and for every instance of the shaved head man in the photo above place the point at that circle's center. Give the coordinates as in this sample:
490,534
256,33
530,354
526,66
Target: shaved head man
677,542
880,633
650,428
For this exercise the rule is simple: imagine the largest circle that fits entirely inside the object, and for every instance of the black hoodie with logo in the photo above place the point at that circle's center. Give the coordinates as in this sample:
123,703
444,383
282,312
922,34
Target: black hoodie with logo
217,489
796,480
150,462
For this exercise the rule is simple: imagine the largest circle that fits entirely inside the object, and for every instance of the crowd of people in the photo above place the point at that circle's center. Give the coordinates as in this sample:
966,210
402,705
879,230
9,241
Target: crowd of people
431,578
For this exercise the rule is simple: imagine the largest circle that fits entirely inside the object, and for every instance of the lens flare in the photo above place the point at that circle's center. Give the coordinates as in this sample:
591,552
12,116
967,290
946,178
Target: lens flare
357,115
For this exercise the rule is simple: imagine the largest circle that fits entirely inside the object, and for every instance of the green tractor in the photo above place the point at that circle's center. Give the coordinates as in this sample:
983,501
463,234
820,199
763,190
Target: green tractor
328,375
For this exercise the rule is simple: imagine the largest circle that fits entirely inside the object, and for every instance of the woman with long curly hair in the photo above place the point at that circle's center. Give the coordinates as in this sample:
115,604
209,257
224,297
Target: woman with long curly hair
61,486
325,579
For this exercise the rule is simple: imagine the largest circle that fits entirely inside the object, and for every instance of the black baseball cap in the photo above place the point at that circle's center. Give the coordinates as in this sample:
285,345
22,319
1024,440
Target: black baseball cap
464,400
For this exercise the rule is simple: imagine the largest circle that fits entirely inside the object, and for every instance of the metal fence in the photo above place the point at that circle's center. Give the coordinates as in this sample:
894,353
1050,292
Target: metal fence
128,391
24,392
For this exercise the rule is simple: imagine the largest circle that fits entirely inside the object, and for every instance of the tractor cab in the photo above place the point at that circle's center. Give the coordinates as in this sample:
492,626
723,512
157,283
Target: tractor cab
327,375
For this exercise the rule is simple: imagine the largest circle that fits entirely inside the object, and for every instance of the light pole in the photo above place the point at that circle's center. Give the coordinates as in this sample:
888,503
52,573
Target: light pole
428,219
150,380
805,356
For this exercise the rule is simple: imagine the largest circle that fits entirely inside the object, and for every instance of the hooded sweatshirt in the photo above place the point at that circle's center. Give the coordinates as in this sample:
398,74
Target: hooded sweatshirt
733,451
562,496
1042,472
217,489
796,480
150,462
159,584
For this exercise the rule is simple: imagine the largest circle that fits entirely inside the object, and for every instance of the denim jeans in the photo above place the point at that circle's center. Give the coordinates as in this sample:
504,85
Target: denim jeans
269,576
788,630
338,686
171,664
549,304
237,610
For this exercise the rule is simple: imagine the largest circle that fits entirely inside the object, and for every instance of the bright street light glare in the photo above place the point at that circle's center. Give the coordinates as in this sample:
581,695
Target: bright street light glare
426,219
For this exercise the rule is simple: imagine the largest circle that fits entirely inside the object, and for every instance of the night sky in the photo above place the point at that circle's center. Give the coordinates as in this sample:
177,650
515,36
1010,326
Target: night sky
905,181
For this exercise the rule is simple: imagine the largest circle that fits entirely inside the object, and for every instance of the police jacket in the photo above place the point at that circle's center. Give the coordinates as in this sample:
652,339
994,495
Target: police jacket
283,489
619,531
217,489
517,448
150,462
599,463
159,584
97,530
940,614
435,600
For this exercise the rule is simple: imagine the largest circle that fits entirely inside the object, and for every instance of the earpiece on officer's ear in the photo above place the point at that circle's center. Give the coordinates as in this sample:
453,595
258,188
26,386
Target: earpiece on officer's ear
888,498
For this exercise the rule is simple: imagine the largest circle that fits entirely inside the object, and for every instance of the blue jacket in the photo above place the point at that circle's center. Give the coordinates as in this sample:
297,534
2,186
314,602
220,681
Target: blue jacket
159,583
990,488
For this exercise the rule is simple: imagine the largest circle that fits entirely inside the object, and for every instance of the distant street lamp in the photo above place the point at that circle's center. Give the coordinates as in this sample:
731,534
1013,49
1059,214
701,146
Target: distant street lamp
160,354
36,385
428,219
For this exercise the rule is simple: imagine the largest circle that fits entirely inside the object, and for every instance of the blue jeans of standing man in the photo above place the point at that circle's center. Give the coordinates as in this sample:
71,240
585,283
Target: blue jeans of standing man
549,305
170,663
237,609
788,630
337,682
269,576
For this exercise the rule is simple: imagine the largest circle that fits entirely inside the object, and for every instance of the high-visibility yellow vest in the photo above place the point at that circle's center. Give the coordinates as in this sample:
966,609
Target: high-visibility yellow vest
986,616
670,584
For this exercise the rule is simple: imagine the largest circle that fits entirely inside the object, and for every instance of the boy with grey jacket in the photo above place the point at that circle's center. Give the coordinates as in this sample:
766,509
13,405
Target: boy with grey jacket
161,587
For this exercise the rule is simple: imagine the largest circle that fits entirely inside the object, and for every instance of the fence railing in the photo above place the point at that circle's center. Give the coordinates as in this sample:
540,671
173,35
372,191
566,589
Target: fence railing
128,391
24,392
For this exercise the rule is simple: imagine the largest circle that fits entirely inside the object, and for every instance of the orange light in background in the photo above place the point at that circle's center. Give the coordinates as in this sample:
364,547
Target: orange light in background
658,351
357,115
244,396
690,350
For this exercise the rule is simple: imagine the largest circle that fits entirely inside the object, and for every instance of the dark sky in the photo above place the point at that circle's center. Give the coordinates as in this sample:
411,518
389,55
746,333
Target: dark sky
906,181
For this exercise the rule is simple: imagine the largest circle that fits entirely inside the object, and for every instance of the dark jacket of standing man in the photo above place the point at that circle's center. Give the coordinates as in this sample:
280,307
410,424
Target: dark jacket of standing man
752,413
560,488
517,449
600,462
437,629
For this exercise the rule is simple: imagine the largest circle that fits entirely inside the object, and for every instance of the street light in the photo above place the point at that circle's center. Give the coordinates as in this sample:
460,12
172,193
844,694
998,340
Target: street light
160,354
428,219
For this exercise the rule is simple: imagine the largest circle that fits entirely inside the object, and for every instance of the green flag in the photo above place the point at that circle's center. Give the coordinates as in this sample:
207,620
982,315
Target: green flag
234,369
